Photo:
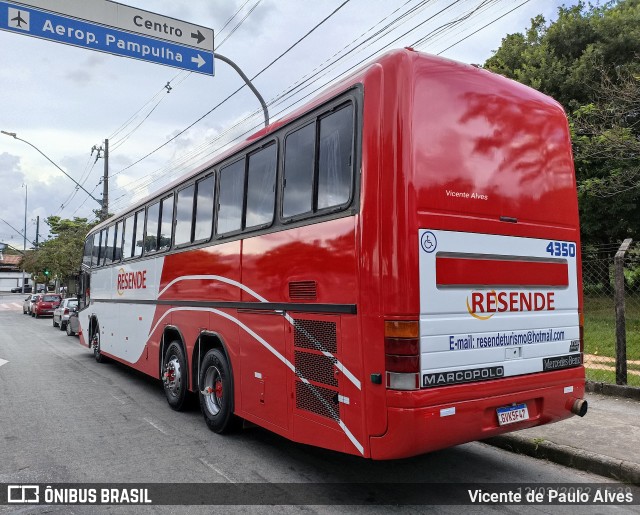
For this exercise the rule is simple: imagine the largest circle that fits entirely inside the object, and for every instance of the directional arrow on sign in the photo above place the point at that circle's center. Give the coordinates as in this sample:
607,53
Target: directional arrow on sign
198,60
198,36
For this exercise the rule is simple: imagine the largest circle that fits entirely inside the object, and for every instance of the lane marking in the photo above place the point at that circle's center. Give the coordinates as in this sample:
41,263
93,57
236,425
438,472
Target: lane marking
3,362
205,462
154,425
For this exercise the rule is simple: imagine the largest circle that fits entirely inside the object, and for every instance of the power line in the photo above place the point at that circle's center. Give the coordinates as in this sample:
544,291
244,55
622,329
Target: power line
238,24
279,99
232,94
233,16
289,92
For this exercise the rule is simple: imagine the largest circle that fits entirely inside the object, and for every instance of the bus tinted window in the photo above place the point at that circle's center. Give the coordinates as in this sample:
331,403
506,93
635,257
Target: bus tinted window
334,158
204,209
96,249
103,246
108,253
127,238
231,196
184,216
138,241
166,223
298,171
117,250
261,187
151,236
88,248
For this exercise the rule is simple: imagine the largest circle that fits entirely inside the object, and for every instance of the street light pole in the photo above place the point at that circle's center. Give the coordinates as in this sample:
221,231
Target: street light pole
25,231
14,136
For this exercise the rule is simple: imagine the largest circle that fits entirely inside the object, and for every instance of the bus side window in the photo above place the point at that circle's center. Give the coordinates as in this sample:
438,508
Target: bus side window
230,197
204,209
103,246
96,249
334,158
299,160
88,249
151,235
138,241
166,223
117,249
184,216
127,238
111,243
261,187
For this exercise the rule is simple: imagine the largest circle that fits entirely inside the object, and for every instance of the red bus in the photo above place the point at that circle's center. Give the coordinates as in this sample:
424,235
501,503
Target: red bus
391,269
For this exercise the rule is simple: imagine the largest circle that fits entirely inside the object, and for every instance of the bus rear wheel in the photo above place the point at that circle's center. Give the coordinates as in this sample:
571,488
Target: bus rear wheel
216,396
174,376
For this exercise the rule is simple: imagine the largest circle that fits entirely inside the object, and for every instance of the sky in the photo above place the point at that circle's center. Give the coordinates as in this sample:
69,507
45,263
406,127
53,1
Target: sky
64,99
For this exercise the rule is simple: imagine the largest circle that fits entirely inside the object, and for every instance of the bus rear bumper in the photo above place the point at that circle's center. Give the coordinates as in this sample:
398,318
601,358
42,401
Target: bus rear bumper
417,430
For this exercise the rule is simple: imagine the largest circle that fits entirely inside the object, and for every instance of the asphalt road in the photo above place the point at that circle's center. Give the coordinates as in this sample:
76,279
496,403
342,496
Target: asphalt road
65,418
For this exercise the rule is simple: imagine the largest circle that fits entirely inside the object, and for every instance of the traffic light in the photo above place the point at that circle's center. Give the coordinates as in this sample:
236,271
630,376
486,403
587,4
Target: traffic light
46,272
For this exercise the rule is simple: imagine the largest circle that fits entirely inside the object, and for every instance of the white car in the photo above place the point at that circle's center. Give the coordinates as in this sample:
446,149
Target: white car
62,312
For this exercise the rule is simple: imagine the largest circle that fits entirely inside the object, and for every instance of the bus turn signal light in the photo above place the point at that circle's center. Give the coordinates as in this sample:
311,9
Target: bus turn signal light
402,354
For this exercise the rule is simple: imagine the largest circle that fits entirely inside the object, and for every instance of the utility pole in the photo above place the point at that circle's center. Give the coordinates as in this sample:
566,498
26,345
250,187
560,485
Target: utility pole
104,153
105,182
37,230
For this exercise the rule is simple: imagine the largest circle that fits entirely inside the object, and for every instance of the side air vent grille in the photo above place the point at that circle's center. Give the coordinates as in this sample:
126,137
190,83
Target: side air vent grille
318,400
315,334
303,290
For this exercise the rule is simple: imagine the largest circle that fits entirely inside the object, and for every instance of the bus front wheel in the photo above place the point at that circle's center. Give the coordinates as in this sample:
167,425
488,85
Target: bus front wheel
95,343
216,395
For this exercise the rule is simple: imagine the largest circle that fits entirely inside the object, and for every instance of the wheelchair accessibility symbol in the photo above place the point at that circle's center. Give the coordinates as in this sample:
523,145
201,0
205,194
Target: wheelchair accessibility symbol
428,242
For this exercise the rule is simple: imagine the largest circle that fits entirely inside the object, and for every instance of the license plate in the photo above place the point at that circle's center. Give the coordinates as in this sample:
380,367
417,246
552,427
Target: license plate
512,414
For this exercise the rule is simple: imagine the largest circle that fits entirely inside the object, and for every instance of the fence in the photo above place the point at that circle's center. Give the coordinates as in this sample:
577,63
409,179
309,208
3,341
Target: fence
604,359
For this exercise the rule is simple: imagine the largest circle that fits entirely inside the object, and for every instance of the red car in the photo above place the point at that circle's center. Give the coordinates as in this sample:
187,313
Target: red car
45,304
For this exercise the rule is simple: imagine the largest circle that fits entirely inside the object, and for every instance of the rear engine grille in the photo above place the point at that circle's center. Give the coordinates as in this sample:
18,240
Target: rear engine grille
315,334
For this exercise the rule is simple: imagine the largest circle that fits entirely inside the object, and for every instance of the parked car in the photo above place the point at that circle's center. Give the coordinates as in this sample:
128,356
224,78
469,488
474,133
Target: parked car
18,289
62,312
26,305
73,324
45,304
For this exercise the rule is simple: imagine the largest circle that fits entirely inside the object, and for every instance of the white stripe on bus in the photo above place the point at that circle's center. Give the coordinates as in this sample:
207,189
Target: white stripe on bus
268,346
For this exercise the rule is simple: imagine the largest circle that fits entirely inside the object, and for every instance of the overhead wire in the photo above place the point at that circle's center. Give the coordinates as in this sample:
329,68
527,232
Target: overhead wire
238,24
281,97
232,94
150,180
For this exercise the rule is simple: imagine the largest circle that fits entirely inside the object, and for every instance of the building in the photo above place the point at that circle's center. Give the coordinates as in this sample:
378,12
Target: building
10,272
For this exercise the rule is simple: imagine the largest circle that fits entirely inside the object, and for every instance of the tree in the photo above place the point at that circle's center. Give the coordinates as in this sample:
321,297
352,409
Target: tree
61,254
588,60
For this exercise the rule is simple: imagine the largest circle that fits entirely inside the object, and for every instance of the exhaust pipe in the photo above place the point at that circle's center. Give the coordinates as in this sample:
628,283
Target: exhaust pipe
580,407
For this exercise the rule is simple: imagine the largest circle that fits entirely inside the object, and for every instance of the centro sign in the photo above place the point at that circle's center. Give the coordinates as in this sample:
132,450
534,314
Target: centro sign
131,280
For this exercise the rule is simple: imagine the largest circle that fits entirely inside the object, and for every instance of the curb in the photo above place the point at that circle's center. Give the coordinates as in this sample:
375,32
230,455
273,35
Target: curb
628,392
606,466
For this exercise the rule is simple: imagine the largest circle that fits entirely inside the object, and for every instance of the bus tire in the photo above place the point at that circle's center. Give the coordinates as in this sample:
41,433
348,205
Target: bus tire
216,397
95,344
174,376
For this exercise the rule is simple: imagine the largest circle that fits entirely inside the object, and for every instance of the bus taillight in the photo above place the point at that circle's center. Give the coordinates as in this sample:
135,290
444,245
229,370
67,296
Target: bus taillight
402,354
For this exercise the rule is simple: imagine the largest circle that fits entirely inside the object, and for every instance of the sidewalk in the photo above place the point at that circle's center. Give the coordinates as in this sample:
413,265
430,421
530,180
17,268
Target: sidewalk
606,441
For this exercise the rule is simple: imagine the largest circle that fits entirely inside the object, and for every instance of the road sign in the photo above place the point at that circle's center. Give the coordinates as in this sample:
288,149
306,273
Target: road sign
109,27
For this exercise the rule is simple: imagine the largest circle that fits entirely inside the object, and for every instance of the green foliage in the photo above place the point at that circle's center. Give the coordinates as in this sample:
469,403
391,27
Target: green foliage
61,254
589,60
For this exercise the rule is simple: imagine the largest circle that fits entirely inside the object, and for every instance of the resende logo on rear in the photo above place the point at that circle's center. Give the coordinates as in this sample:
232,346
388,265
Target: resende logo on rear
485,305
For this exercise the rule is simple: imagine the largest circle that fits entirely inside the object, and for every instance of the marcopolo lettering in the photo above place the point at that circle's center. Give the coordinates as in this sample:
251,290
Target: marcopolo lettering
462,376
131,280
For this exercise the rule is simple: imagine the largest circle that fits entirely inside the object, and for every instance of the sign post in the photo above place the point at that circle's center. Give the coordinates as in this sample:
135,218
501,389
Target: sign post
113,28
